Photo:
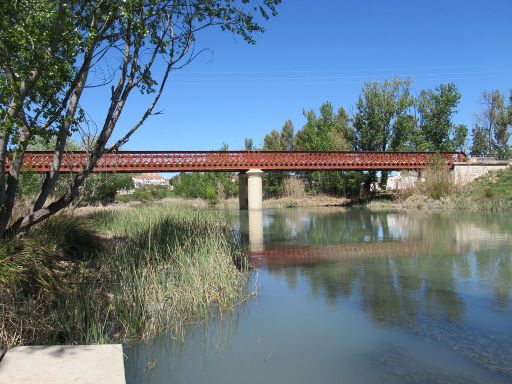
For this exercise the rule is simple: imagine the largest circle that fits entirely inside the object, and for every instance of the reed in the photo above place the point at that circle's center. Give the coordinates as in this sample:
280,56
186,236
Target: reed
160,269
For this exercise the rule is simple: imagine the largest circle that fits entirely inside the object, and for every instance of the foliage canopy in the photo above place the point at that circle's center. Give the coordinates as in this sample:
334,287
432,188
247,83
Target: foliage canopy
52,51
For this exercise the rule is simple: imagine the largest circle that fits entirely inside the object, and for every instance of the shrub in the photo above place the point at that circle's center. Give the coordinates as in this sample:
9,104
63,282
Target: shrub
209,186
146,194
438,181
103,188
294,188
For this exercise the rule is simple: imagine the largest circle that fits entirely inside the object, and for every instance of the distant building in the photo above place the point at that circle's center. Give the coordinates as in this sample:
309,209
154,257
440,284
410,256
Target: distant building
149,179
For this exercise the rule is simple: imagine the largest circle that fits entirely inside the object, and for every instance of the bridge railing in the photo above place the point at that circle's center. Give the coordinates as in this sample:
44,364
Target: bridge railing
178,161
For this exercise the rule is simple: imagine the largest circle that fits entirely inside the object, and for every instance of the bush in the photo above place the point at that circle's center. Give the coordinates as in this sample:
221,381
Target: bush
103,188
438,181
146,194
294,188
209,186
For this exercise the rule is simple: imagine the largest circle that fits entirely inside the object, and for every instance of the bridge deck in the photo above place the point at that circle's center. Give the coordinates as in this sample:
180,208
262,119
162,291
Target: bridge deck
234,161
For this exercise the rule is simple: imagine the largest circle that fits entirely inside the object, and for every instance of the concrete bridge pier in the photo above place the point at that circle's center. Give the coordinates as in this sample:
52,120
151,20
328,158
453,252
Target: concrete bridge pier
251,227
250,189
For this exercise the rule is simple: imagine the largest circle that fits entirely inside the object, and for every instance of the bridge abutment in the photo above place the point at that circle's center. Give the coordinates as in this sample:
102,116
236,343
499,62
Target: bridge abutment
465,172
250,195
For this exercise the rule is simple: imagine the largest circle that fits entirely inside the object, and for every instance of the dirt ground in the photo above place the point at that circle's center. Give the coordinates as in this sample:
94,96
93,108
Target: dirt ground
414,202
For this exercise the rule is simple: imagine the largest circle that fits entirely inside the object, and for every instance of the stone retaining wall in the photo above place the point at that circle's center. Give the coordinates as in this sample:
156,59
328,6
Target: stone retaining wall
464,173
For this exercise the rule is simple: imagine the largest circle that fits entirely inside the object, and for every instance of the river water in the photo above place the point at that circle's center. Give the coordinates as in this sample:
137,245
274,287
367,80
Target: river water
353,296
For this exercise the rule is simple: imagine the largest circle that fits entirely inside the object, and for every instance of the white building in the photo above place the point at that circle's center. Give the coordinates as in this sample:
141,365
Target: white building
149,179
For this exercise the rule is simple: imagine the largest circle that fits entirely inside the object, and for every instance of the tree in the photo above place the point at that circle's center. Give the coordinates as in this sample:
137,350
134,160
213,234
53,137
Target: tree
479,146
383,120
209,186
437,131
49,51
493,127
287,135
103,188
272,141
249,144
329,131
273,182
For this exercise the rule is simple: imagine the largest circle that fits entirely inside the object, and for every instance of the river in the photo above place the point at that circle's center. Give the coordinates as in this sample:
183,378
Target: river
354,296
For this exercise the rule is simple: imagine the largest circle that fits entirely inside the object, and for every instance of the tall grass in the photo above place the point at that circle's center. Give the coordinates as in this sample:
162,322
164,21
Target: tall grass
437,180
491,192
294,188
160,269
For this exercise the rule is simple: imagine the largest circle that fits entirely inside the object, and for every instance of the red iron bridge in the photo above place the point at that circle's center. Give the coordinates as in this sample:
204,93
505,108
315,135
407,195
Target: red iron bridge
239,161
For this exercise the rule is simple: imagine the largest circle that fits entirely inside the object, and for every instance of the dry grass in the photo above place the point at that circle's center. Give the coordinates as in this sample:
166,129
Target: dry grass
438,183
294,188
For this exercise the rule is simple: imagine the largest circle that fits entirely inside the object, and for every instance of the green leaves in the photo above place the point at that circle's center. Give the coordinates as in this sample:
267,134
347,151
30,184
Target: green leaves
436,109
43,45
493,128
328,132
383,116
389,118
52,52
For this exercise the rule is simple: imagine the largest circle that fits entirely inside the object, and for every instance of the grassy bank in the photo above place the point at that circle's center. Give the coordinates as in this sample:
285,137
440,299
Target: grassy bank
492,192
489,193
118,275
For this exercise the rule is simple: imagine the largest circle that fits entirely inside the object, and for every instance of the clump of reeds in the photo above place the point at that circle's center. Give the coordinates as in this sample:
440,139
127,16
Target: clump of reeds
43,260
37,271
160,269
294,187
437,180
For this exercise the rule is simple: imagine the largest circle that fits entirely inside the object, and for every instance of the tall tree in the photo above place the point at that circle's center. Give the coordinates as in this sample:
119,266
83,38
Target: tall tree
249,144
383,120
49,51
493,127
329,131
437,131
479,146
273,182
287,136
383,117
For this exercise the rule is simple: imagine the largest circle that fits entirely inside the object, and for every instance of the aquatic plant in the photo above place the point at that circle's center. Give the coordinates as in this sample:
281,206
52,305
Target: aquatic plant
153,268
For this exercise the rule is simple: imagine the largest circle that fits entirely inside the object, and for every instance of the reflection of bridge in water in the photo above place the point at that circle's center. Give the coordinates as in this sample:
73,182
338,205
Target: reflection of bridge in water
251,225
310,254
403,234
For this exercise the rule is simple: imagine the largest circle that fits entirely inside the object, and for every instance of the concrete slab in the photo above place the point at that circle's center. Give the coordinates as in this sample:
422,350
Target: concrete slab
56,364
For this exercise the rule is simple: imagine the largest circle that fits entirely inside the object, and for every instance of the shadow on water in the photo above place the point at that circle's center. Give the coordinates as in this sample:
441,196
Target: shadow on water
361,296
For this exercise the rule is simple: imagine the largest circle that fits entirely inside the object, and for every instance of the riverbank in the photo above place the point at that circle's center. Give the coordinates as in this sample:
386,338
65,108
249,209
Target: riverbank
115,275
292,202
489,193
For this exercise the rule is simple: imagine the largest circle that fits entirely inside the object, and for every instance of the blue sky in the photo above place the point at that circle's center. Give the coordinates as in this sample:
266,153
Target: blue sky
324,50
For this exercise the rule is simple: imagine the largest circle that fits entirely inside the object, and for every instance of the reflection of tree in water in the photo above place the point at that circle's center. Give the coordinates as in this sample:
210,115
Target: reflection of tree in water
391,289
429,275
326,227
419,291
495,266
